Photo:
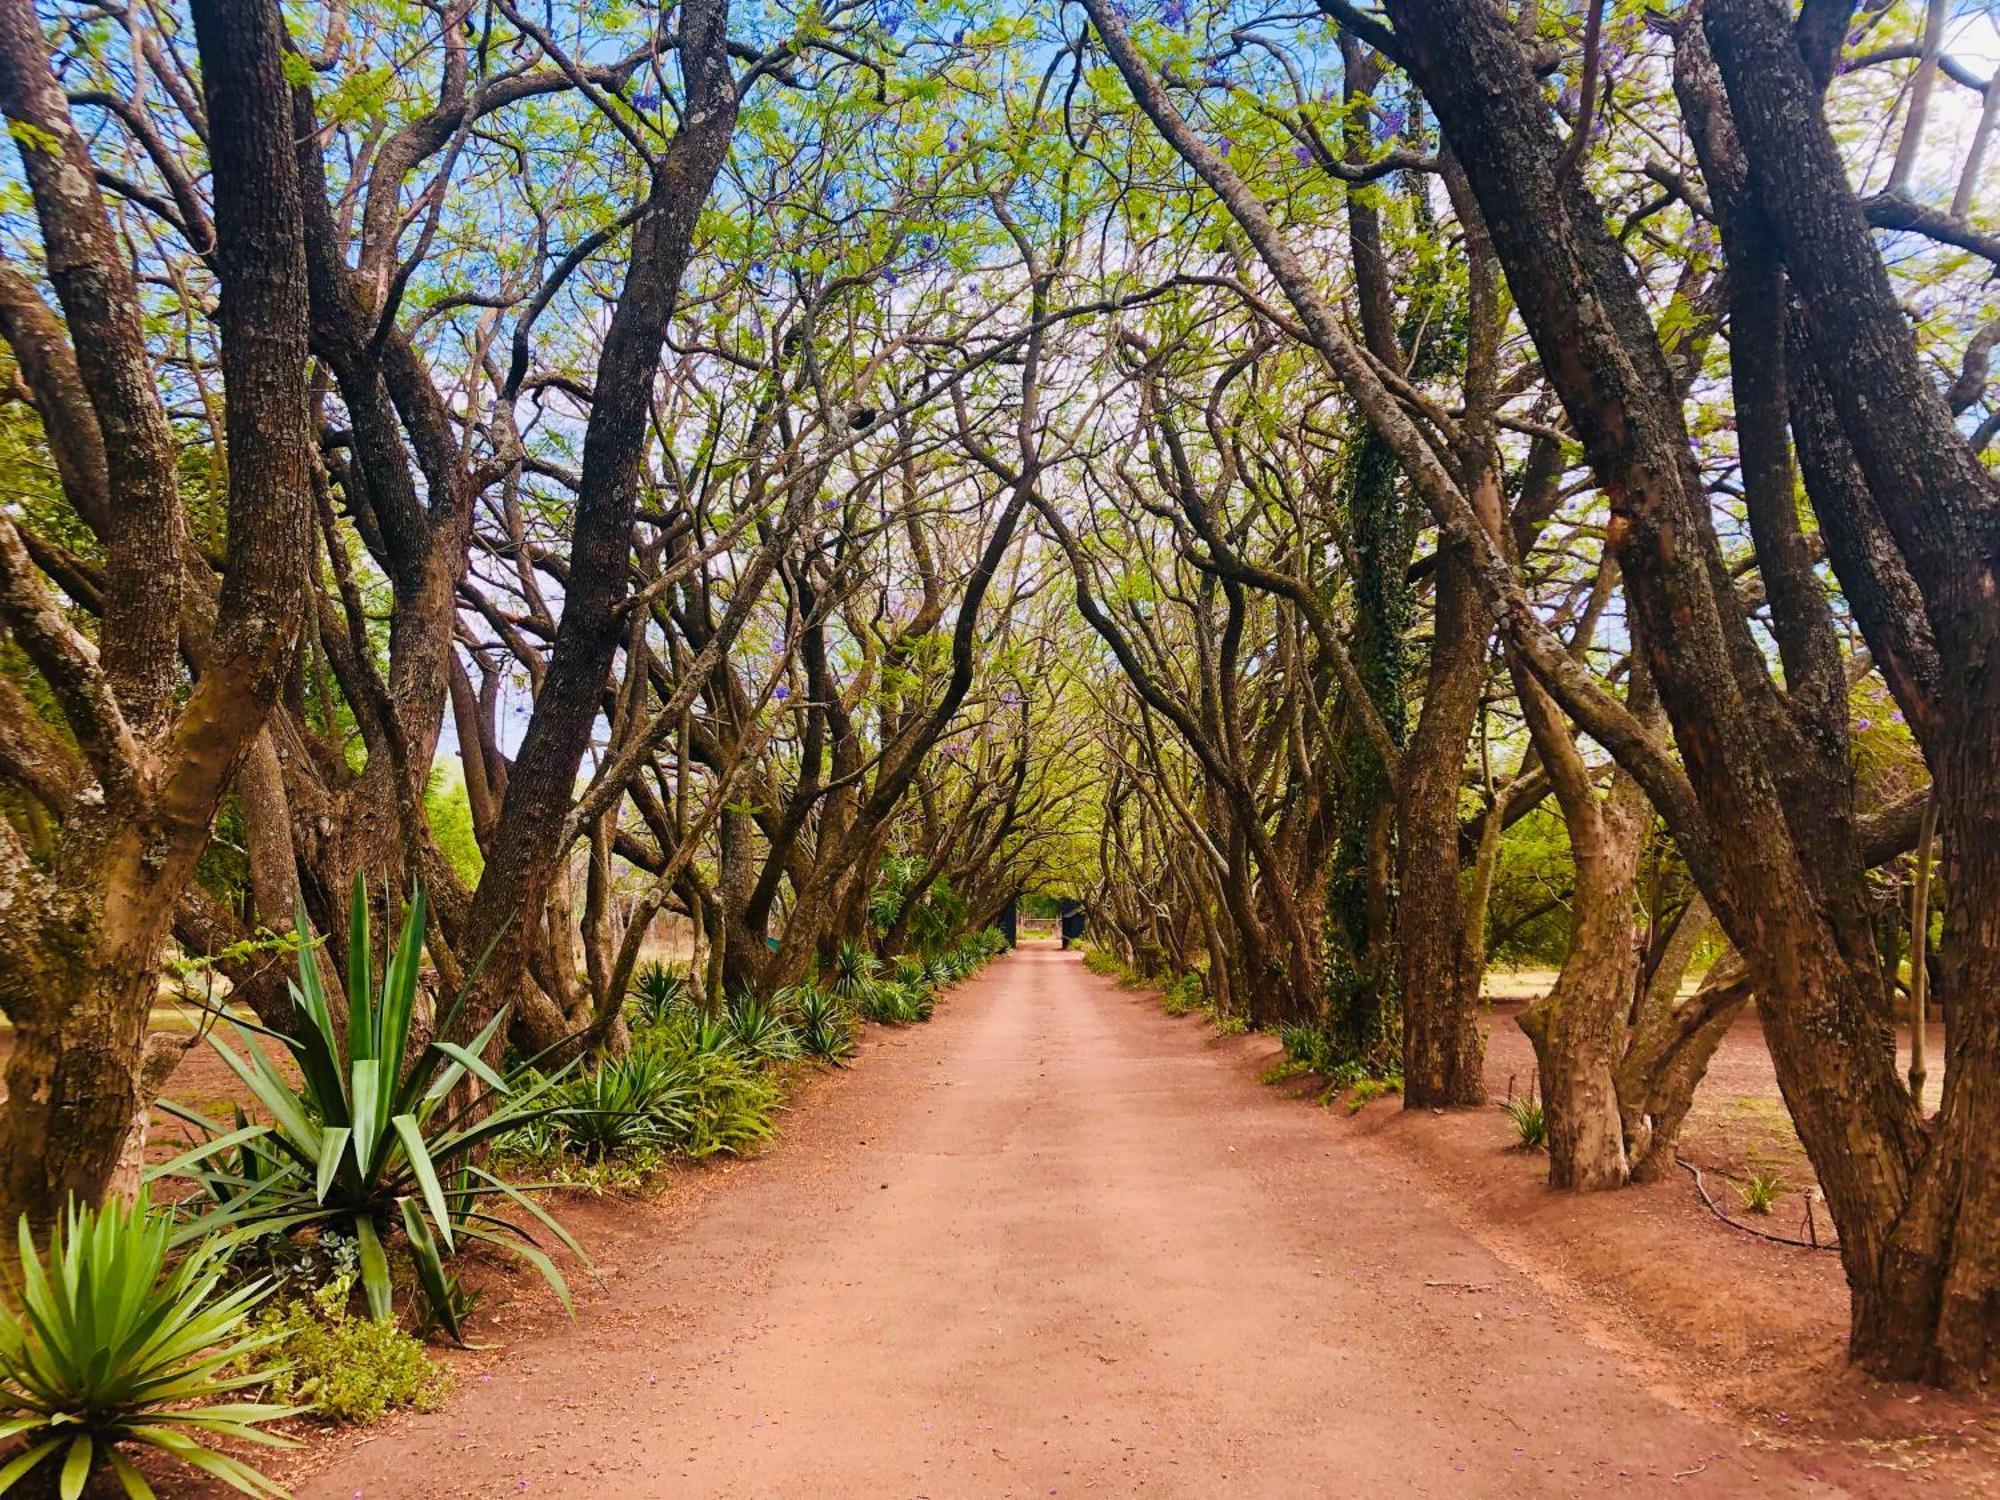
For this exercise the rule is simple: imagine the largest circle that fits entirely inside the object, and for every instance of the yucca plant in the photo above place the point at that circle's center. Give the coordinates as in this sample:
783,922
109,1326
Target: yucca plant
825,1027
853,972
760,1032
696,1034
643,1099
111,1345
657,992
368,1138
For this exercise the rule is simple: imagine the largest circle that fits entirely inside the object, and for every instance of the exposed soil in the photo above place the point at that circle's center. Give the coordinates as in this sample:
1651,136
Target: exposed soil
1056,1243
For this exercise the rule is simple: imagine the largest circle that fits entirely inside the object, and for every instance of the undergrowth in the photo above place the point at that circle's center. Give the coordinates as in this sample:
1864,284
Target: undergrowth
346,1368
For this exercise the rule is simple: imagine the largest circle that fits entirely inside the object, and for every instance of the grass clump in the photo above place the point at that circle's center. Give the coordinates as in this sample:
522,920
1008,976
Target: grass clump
346,1368
1761,1190
1530,1121
1105,964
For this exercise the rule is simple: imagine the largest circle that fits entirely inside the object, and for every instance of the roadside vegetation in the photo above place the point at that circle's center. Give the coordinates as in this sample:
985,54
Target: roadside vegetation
554,571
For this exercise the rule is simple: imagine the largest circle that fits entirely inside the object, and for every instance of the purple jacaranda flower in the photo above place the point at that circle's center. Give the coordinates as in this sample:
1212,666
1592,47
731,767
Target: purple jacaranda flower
646,99
781,692
1302,155
1864,725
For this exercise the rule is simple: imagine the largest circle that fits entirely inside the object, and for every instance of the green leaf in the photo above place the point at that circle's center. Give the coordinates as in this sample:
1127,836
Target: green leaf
331,1149
374,1270
430,1270
427,1178
76,1466
360,983
135,1484
367,1111
11,1474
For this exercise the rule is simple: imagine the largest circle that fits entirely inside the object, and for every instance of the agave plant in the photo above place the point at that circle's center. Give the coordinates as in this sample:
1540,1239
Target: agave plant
853,972
657,992
110,1345
368,1139
760,1032
824,1025
643,1099
698,1035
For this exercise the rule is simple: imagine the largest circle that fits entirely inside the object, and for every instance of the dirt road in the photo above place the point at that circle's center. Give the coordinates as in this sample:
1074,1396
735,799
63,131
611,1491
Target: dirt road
1052,1245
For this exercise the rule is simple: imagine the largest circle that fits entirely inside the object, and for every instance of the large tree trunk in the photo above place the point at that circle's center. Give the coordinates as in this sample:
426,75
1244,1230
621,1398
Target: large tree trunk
1443,1054
80,944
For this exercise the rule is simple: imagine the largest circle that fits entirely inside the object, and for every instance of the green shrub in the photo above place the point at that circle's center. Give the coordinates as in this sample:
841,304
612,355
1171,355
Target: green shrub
1183,996
643,1099
760,1032
825,1027
732,1102
369,1137
1103,962
853,973
344,1368
104,1343
657,993
1531,1124
891,1003
1365,1091
1226,1022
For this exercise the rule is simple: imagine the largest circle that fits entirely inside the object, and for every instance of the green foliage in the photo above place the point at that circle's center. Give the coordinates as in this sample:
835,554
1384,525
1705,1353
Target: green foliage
1106,964
657,993
345,1368
449,811
930,914
825,1026
760,1033
1761,1190
1366,1091
1531,1125
643,1099
691,1087
732,1105
369,1139
104,1343
853,972
1184,995
889,1002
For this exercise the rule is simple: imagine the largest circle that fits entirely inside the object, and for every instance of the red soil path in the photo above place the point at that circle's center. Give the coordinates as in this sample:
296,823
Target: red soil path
1057,1244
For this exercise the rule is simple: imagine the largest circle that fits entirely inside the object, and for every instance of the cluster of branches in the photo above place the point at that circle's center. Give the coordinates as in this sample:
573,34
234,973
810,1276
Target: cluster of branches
563,392
1559,433
1271,468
